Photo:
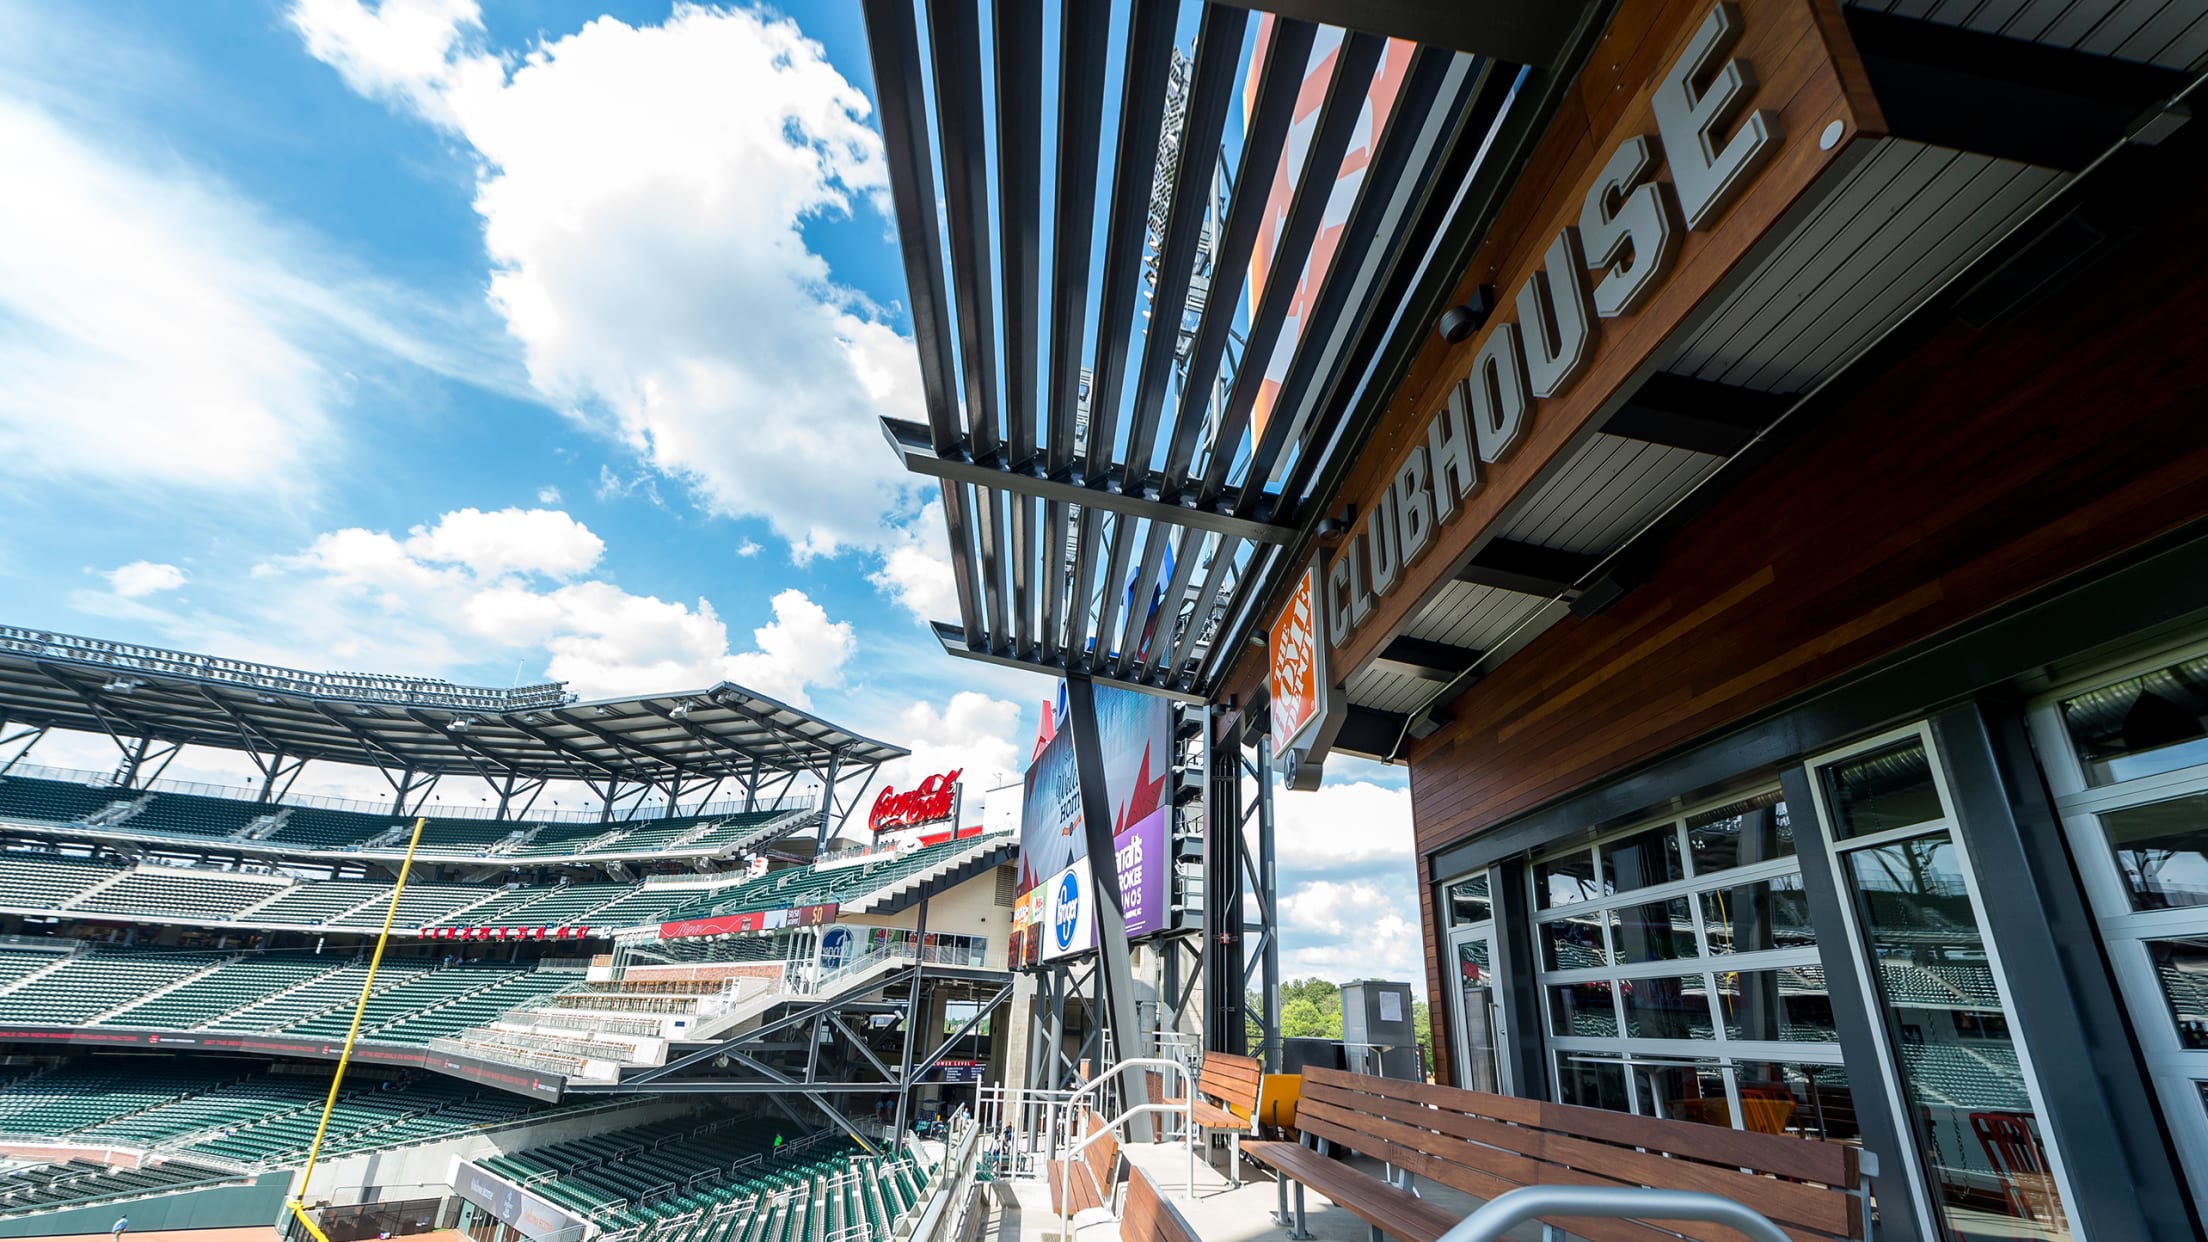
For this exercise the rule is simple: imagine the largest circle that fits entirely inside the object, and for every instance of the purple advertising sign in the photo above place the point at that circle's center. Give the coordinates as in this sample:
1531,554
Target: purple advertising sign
1144,865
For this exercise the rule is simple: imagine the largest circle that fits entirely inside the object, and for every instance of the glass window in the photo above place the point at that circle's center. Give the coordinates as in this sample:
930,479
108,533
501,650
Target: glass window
1788,1005
1582,1009
2142,727
1573,943
1468,901
1982,1138
1670,1007
1562,881
1472,967
1768,914
2162,851
1812,1101
1752,830
2181,965
1595,1082
1645,858
1888,788
1684,1091
1656,931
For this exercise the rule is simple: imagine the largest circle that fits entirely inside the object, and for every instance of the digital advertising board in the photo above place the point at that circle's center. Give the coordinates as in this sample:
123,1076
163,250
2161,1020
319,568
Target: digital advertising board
1055,915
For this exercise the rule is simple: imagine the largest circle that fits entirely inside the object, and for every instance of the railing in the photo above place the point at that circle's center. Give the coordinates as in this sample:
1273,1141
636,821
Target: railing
1516,1207
943,1217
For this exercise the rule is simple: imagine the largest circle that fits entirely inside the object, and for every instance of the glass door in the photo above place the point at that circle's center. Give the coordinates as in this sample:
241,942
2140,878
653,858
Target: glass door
1476,1012
1478,1015
2126,755
1954,1066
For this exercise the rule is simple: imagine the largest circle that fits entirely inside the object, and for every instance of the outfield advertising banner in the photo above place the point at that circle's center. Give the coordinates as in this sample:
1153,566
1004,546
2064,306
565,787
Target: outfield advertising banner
1056,914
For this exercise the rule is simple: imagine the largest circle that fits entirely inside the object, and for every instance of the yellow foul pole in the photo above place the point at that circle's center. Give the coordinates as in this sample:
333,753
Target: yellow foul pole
345,1055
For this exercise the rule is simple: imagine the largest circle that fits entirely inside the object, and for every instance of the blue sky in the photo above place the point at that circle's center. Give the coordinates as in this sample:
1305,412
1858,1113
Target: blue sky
540,340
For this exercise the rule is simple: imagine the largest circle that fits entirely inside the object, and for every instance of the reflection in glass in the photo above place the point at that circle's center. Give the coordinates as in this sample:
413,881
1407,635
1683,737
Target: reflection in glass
1595,1082
2181,965
1476,1014
1468,901
1812,1101
1768,914
1683,1091
1645,858
2162,850
1887,788
1656,931
2144,726
1751,830
1573,943
1582,1009
1789,1004
1561,881
1671,1007
1980,1134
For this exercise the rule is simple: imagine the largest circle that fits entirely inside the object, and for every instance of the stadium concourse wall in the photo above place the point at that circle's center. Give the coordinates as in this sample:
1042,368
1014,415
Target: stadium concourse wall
215,1207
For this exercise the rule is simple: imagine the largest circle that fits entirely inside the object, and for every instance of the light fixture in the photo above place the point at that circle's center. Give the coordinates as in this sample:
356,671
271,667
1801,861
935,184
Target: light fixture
265,700
459,724
1466,317
680,711
121,685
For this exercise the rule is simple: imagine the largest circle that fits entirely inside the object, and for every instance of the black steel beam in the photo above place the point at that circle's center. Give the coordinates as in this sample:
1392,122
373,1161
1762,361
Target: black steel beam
900,90
1084,39
1184,648
1264,135
1185,556
1525,32
1526,568
910,440
1424,659
1142,85
1369,732
1210,94
1354,63
948,635
1426,108
1138,605
1019,57
954,44
1695,414
961,543
2034,103
1050,548
1088,530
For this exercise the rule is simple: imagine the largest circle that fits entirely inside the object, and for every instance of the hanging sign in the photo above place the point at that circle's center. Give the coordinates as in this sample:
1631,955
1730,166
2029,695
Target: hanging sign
931,801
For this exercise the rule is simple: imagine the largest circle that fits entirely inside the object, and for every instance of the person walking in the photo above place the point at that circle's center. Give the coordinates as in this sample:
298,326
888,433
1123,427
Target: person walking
121,1223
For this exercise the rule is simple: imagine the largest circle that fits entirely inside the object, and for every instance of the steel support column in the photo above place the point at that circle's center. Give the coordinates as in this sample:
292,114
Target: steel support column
1116,1011
1226,1015
913,1010
1267,887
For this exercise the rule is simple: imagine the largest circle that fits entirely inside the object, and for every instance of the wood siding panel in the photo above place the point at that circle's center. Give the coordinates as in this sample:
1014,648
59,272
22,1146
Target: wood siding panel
1985,466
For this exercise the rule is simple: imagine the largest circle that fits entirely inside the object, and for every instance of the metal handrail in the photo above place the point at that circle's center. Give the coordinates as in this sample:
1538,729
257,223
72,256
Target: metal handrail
1516,1207
1186,1109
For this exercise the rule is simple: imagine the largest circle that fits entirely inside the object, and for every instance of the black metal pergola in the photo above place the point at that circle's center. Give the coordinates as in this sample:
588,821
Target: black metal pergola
1127,465
686,746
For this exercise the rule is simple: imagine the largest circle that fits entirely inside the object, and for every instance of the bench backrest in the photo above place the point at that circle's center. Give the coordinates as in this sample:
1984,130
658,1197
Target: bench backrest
1150,1216
1486,1145
1231,1080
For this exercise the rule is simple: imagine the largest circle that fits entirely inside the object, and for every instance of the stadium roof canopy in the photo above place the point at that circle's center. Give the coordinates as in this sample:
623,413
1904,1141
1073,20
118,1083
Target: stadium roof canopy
420,725
1132,410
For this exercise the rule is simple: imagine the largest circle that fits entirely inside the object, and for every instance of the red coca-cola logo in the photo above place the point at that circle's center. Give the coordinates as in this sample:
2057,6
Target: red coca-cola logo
925,803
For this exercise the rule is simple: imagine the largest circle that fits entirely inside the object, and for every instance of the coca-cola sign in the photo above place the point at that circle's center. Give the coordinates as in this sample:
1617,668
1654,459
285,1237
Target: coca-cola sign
932,799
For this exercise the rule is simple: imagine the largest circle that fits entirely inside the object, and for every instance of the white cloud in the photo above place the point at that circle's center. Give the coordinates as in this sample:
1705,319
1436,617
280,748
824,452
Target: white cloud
916,567
973,732
1353,930
472,589
643,192
1352,823
801,647
548,495
143,578
748,548
544,541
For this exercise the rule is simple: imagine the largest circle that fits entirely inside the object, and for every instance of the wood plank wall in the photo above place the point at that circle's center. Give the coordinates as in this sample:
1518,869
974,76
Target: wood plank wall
1984,466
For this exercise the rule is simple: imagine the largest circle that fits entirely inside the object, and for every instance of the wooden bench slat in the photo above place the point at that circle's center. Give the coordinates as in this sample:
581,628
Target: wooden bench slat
1149,1217
1484,1183
1485,1145
1371,1200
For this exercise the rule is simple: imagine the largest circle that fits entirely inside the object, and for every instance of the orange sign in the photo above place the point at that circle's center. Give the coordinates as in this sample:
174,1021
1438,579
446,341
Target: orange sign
1296,679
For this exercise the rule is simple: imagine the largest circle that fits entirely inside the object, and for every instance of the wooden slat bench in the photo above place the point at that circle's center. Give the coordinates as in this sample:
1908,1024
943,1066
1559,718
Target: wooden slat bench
1487,1145
1226,1084
1087,1180
1150,1216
